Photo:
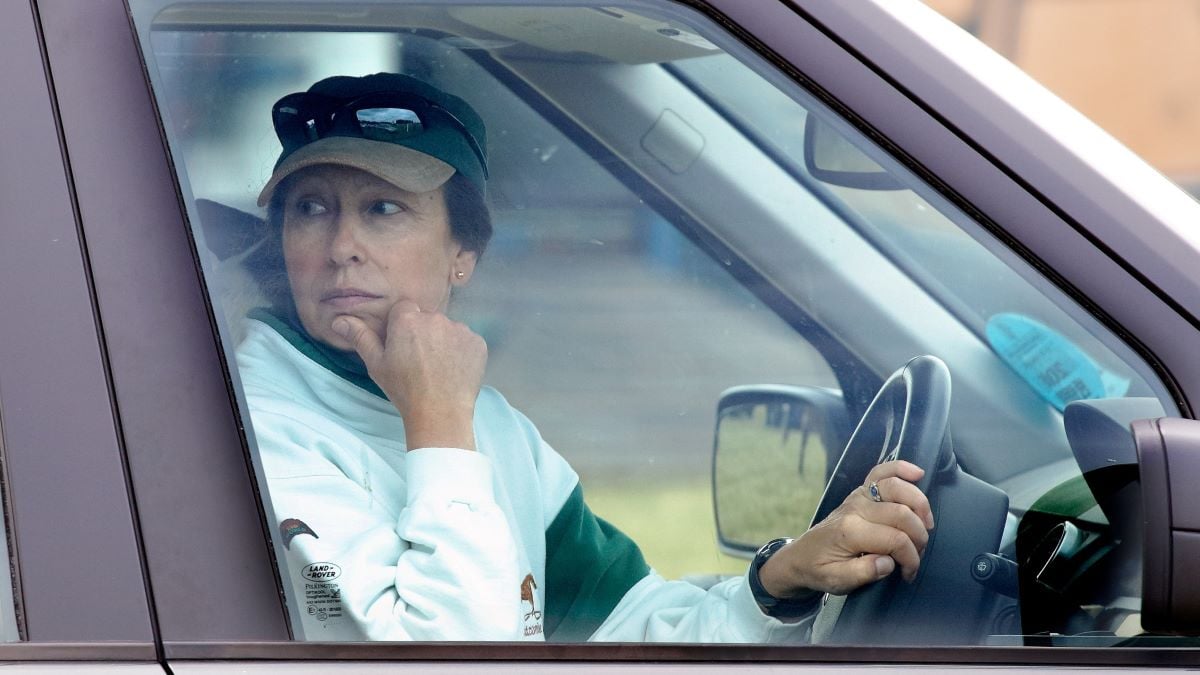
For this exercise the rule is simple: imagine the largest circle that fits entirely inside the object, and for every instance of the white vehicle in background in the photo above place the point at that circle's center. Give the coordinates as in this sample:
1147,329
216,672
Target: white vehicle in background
767,209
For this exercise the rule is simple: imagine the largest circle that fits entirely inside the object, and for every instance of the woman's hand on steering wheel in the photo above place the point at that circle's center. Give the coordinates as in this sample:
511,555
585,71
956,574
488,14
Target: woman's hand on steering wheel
430,367
861,541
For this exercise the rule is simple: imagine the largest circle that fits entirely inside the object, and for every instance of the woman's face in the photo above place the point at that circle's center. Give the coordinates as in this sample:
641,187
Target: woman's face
355,245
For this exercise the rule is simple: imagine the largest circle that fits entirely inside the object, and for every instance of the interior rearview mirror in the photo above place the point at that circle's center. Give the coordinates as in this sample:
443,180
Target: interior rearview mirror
775,446
831,158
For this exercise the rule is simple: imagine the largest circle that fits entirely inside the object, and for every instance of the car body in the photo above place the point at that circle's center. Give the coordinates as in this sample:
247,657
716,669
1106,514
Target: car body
136,528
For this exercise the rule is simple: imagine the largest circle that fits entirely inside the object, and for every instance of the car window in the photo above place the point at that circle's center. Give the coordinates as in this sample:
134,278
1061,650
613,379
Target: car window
10,630
699,277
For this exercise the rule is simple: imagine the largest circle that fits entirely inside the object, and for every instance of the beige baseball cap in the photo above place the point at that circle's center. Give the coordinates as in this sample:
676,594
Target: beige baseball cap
401,166
390,125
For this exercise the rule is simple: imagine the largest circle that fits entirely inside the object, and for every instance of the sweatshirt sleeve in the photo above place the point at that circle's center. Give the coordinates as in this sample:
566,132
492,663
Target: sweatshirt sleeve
600,588
590,565
657,610
442,566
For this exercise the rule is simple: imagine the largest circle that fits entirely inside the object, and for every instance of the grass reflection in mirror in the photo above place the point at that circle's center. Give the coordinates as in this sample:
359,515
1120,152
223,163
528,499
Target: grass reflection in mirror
769,479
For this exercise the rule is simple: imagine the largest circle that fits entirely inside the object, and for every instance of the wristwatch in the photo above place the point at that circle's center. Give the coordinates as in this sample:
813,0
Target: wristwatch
779,608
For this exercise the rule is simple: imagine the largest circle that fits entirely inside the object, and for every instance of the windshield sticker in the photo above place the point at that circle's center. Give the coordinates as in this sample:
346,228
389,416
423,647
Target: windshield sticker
1052,365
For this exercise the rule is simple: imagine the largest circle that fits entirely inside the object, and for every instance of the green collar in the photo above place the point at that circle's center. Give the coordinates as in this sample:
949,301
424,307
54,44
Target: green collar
346,365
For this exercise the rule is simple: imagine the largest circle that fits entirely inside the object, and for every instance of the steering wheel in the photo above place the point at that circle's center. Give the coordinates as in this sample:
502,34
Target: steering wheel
906,420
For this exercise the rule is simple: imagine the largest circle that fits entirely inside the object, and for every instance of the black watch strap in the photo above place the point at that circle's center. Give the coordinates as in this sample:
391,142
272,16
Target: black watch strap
779,608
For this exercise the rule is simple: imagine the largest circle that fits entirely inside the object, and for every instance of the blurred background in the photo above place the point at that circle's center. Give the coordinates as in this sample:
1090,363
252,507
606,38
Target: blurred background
1129,65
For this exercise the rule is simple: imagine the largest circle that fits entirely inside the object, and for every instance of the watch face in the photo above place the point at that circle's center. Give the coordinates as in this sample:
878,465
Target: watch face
769,549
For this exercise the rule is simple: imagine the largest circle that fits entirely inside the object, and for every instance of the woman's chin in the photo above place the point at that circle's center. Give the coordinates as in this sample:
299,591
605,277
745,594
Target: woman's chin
322,331
320,326
337,342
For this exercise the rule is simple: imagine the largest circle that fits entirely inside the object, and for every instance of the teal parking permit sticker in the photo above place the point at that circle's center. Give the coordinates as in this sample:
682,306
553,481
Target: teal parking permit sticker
1055,367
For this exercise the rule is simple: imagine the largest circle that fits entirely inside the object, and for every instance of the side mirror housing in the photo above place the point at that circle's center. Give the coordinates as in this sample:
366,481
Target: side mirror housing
773,451
1169,462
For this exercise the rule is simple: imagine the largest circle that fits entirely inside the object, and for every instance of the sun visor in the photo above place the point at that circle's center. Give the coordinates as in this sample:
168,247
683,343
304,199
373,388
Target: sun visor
609,33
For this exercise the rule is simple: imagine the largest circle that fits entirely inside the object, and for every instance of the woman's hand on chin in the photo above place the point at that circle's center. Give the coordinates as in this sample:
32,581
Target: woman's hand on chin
429,366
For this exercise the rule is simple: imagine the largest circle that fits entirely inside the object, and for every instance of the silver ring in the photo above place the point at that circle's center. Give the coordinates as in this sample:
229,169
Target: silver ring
874,490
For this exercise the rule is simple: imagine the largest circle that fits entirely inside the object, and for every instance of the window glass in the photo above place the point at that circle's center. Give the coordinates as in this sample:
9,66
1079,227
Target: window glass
698,279
10,630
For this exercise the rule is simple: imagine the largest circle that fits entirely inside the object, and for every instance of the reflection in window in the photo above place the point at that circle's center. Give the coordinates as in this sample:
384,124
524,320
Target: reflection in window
10,630
657,242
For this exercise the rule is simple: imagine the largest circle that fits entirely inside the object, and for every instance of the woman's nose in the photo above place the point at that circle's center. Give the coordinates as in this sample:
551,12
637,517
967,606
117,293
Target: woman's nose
344,246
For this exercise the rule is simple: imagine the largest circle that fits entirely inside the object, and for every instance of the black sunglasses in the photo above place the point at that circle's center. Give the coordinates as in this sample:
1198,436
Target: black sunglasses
302,118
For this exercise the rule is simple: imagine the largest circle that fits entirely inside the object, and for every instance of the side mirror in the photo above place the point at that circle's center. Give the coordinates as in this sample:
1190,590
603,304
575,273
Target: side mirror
1169,463
833,159
773,452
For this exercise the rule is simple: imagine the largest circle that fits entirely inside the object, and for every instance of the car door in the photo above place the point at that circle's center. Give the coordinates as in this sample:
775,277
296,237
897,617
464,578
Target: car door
73,596
650,140
168,384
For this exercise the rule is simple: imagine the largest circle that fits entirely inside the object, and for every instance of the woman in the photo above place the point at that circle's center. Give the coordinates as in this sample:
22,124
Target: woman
413,503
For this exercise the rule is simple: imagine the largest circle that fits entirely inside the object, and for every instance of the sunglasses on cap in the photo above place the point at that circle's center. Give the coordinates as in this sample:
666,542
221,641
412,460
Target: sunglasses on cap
391,117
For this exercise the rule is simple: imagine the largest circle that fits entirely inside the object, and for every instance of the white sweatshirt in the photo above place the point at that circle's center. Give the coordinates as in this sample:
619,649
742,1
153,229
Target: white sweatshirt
444,543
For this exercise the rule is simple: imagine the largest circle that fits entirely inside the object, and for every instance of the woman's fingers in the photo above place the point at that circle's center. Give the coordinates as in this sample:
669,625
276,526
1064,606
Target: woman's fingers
364,340
368,343
897,467
862,541
898,517
429,366
846,551
856,572
897,491
424,361
893,483
871,537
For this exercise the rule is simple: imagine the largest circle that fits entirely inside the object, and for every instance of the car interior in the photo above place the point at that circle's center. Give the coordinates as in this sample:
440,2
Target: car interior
721,301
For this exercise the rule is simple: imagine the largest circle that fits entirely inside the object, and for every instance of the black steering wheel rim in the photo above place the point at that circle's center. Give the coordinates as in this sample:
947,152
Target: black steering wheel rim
906,420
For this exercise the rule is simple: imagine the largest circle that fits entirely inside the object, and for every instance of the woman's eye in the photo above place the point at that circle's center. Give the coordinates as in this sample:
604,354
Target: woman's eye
310,207
383,208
